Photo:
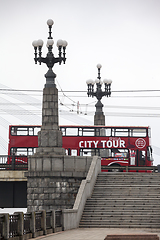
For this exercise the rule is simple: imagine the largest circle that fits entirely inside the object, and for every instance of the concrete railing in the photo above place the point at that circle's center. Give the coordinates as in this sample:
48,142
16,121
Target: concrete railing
22,226
71,217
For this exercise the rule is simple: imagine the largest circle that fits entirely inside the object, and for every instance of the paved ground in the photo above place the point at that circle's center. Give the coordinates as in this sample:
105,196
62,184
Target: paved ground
96,233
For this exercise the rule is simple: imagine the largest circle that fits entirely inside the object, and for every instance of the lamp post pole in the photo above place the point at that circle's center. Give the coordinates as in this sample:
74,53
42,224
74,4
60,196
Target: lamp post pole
50,137
99,117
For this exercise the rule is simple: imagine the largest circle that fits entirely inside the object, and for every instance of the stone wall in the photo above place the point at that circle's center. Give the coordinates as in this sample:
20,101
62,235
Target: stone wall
57,187
52,192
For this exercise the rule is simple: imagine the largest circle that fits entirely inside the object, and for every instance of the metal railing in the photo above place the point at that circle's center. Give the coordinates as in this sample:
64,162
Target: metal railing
130,168
13,162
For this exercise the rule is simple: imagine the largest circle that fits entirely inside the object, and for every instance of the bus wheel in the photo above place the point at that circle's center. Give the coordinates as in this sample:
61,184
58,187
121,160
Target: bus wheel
115,169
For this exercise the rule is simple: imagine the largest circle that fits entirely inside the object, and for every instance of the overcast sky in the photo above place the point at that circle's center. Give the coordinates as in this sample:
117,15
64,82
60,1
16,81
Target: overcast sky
122,35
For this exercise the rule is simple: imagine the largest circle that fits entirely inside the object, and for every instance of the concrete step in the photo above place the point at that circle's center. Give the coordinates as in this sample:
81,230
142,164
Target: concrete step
120,223
124,200
124,193
126,186
128,197
121,218
119,212
116,225
123,207
107,194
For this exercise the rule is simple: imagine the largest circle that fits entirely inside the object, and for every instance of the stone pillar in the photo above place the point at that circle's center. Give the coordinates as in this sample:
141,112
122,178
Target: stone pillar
53,178
99,117
50,137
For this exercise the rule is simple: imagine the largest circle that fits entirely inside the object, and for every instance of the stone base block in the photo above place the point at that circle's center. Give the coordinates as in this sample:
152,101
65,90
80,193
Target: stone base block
61,163
49,151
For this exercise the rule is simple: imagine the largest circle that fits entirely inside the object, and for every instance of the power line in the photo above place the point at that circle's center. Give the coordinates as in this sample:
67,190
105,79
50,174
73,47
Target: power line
76,91
20,93
115,96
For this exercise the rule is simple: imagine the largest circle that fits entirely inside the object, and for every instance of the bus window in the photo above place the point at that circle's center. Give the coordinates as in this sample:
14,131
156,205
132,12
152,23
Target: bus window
63,130
138,132
13,130
105,153
120,132
36,130
88,131
74,152
104,131
25,131
108,132
149,132
30,131
80,131
71,131
22,131
149,154
142,157
89,152
22,151
85,152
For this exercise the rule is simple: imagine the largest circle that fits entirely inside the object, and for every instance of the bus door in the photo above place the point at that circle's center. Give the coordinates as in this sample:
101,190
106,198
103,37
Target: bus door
133,158
137,158
141,157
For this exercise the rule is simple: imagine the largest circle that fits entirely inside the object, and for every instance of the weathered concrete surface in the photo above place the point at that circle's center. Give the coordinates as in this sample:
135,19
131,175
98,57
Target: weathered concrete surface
12,176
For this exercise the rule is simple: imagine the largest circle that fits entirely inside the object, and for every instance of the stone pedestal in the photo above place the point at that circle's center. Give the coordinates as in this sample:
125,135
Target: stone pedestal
53,178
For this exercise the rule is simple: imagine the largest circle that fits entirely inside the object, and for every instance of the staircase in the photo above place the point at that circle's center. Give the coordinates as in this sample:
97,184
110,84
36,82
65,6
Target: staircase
124,200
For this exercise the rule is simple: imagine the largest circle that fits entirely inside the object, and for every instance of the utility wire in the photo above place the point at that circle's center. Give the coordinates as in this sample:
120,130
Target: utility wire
67,105
116,91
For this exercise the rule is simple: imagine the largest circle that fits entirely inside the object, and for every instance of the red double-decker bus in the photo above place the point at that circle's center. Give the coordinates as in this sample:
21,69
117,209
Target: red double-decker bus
117,146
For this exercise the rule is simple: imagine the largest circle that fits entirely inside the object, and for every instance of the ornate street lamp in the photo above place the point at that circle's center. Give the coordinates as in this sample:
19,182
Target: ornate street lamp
99,94
50,60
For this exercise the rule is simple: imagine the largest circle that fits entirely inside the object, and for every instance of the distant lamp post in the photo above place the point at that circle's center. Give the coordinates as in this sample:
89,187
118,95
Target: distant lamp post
99,118
50,60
